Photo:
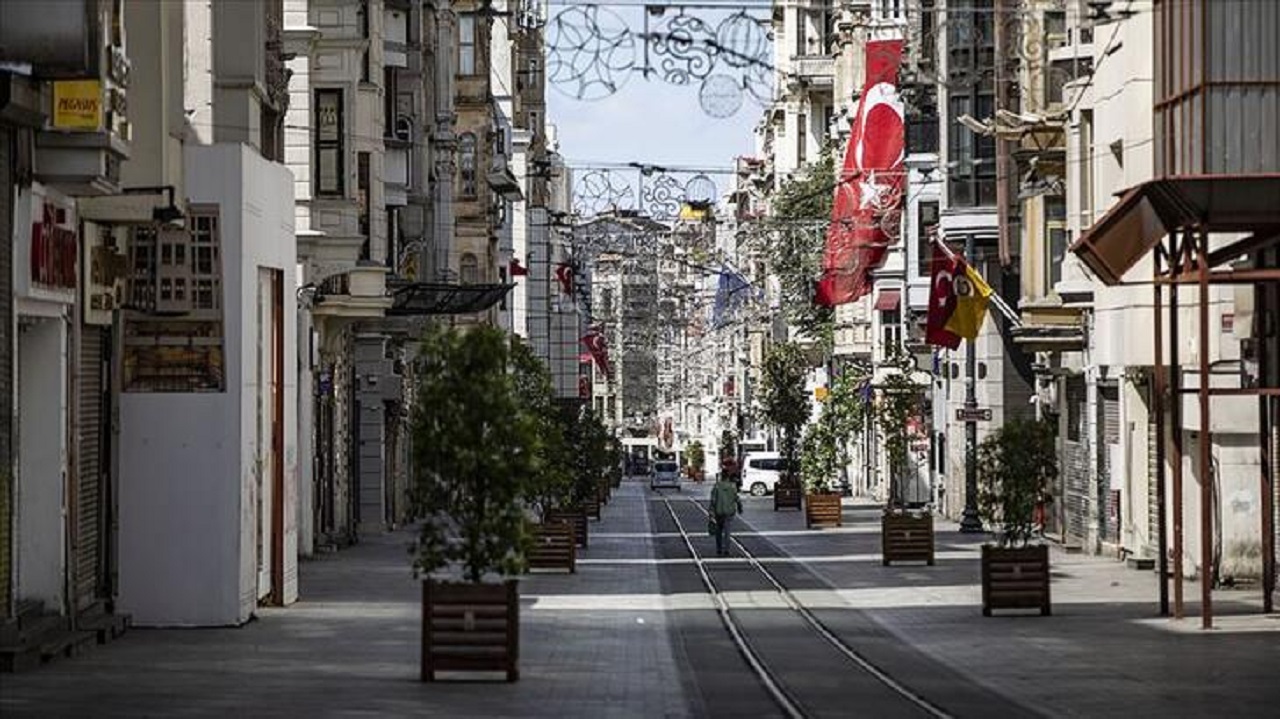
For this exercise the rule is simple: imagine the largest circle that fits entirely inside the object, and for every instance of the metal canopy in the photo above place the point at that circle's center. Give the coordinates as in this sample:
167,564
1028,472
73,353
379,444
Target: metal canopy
1150,211
441,298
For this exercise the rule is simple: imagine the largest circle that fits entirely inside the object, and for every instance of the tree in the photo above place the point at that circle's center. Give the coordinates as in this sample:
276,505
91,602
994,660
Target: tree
801,211
474,447
695,457
825,448
783,399
590,446
551,480
1017,465
899,414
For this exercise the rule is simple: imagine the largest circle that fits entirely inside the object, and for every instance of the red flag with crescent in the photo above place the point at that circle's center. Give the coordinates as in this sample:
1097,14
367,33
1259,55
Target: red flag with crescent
867,206
942,298
596,344
564,274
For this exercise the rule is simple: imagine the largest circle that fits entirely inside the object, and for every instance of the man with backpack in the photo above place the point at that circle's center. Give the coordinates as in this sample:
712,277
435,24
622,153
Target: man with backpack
724,505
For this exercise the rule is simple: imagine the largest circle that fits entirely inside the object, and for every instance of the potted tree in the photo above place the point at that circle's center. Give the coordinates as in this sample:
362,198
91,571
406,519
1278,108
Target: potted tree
825,451
588,441
1017,465
696,459
906,534
785,405
473,452
552,543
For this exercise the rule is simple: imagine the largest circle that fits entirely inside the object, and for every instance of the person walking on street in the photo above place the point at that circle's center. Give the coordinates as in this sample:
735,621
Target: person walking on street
724,505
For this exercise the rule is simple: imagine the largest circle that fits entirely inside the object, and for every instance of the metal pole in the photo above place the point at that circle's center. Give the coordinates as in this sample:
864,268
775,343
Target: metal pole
1207,480
1175,406
969,521
1159,387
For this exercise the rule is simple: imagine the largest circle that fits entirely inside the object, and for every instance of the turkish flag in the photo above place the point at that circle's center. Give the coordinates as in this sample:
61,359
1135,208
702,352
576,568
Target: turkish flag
516,269
595,343
564,273
867,206
942,298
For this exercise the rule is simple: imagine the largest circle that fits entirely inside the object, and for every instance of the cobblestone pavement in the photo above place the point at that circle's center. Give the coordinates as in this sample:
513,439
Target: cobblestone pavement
633,635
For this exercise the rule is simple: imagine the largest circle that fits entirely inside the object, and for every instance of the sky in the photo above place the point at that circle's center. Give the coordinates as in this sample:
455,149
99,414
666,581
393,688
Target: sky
646,121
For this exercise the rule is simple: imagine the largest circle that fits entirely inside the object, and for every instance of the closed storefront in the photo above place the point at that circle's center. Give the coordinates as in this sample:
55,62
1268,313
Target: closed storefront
1110,468
92,488
6,371
1078,500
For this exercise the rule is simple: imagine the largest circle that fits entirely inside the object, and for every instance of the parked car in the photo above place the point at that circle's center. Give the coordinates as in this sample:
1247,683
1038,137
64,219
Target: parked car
666,473
761,471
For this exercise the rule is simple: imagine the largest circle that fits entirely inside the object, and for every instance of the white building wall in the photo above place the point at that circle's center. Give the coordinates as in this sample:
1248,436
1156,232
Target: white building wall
188,515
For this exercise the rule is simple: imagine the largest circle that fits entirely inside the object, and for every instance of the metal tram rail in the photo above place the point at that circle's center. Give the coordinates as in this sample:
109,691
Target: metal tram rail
782,696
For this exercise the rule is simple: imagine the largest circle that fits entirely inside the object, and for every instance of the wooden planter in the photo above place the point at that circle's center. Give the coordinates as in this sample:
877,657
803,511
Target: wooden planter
577,518
822,510
554,547
787,497
591,507
1015,578
604,492
471,628
906,537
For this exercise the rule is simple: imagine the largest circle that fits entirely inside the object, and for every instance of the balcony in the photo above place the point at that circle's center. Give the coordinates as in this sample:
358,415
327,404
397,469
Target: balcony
819,70
359,293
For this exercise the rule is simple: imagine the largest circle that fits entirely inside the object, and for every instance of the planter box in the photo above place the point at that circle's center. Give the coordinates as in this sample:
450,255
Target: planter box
577,518
471,628
787,497
906,538
822,510
604,492
1015,578
554,547
591,508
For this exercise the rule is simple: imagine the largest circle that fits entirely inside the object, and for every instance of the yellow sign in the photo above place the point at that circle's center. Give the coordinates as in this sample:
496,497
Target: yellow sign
77,104
821,393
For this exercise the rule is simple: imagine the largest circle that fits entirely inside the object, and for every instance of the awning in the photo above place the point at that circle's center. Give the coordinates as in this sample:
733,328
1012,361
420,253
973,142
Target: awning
888,300
1148,212
439,298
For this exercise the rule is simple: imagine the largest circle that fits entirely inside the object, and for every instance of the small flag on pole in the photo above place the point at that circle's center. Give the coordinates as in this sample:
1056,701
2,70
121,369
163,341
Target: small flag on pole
564,274
517,269
958,299
595,343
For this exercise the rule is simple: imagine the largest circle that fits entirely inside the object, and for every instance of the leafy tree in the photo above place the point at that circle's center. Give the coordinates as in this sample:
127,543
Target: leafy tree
783,399
1017,465
590,444
801,210
695,456
825,449
474,447
899,409
551,480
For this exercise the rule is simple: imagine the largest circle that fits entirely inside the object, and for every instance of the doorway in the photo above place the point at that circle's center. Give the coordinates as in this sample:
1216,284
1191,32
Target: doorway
269,469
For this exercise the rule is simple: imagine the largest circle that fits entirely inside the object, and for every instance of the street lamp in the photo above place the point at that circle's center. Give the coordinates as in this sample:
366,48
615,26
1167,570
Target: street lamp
970,523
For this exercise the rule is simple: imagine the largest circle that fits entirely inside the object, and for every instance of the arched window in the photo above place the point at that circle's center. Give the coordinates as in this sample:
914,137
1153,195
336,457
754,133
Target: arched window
467,163
469,269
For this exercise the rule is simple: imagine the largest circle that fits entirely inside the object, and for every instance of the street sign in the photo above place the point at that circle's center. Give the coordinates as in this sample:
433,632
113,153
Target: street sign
973,415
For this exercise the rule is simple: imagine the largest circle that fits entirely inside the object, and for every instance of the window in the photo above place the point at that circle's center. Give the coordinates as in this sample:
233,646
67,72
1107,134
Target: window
800,22
469,269
890,329
467,44
173,324
467,163
970,67
1055,231
362,18
802,137
328,143
926,228
362,202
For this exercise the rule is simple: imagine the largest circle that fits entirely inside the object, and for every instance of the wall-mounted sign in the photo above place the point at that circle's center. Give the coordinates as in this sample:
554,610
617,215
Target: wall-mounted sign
973,415
53,250
77,104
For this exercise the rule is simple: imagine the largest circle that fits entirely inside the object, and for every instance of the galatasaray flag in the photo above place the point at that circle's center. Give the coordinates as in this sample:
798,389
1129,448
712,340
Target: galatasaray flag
958,298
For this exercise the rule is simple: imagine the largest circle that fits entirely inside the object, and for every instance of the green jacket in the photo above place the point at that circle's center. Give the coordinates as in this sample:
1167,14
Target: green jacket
724,499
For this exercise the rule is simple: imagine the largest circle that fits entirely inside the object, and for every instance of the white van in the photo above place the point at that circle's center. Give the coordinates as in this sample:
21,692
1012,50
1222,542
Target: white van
665,473
761,471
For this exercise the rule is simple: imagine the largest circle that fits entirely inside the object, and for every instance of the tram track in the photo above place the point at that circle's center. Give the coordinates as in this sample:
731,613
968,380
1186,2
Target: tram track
752,642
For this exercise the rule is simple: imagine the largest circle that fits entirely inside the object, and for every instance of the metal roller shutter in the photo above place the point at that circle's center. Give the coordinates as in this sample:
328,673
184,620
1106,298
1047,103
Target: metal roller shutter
1109,431
1079,500
6,369
90,416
